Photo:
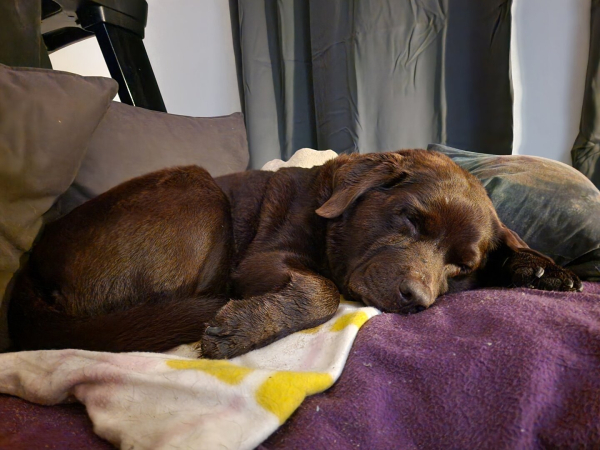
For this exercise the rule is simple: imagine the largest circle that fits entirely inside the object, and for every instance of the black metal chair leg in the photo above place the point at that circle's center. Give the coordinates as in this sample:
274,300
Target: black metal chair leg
128,63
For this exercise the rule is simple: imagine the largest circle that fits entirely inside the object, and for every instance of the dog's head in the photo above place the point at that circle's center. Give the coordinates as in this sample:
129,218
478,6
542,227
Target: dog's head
407,226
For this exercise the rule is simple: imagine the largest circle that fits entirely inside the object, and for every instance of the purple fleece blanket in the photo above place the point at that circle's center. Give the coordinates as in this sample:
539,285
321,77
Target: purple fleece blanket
493,368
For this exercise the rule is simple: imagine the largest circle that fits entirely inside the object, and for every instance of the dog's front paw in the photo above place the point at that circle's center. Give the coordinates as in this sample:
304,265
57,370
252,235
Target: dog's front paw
218,343
225,337
530,270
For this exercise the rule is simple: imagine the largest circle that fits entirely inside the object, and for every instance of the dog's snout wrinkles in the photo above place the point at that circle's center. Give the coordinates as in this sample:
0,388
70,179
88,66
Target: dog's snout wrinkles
414,296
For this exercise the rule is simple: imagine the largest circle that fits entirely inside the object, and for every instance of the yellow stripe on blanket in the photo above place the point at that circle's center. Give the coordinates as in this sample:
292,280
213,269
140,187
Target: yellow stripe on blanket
357,318
312,330
223,370
283,392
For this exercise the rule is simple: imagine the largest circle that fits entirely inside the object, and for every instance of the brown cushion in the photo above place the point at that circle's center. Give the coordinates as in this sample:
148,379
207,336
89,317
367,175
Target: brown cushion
46,121
134,141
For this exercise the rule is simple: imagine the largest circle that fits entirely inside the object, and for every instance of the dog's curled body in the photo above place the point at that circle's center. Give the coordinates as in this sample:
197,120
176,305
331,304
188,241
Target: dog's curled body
104,276
176,257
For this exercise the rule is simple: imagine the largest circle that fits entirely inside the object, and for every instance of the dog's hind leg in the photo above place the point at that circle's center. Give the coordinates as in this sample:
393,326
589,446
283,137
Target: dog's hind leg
141,267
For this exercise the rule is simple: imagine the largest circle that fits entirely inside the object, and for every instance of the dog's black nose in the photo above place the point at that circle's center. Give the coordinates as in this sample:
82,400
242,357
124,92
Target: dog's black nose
414,296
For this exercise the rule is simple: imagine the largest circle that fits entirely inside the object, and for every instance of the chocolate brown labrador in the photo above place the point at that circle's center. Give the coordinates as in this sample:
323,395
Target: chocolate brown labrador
237,262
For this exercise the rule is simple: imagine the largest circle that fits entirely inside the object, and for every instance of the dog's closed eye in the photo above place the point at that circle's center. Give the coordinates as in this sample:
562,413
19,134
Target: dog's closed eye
412,224
465,269
406,223
457,270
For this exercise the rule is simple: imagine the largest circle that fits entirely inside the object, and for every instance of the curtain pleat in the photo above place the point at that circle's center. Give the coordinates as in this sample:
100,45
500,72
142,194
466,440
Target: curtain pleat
586,150
298,105
387,56
259,81
377,75
276,76
478,85
334,74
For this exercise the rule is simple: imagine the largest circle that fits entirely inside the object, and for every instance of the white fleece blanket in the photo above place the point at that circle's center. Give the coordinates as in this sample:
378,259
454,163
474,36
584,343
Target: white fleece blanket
305,157
164,401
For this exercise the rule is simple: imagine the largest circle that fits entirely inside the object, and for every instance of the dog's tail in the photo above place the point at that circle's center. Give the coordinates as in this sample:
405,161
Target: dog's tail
151,327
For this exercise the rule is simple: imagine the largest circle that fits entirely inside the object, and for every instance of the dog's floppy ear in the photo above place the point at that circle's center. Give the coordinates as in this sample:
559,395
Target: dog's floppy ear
514,243
356,174
511,239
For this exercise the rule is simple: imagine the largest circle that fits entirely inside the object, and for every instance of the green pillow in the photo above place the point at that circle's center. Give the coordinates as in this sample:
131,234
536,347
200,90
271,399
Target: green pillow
552,206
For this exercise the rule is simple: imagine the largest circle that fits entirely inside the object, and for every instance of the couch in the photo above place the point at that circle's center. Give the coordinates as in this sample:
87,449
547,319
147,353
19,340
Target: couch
489,368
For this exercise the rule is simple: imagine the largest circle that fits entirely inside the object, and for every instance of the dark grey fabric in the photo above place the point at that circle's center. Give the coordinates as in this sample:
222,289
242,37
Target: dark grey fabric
586,151
477,76
553,207
21,42
47,118
276,65
134,141
358,76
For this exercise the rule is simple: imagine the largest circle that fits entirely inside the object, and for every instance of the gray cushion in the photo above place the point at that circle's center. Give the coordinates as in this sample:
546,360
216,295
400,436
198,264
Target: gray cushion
133,141
46,121
552,206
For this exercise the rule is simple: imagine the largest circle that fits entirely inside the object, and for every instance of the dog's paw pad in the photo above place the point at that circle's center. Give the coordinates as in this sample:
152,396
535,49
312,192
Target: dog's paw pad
215,348
560,279
224,337
530,270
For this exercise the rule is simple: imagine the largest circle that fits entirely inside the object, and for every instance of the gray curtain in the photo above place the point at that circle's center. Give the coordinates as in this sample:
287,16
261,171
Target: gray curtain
21,41
586,151
377,75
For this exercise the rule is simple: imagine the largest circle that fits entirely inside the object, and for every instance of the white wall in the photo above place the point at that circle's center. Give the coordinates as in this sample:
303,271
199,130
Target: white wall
84,58
550,46
190,48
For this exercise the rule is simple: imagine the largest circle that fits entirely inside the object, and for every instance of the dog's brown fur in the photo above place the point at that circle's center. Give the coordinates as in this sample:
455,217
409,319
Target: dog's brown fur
238,262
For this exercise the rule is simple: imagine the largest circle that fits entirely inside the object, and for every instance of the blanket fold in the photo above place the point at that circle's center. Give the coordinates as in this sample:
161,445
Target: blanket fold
149,400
